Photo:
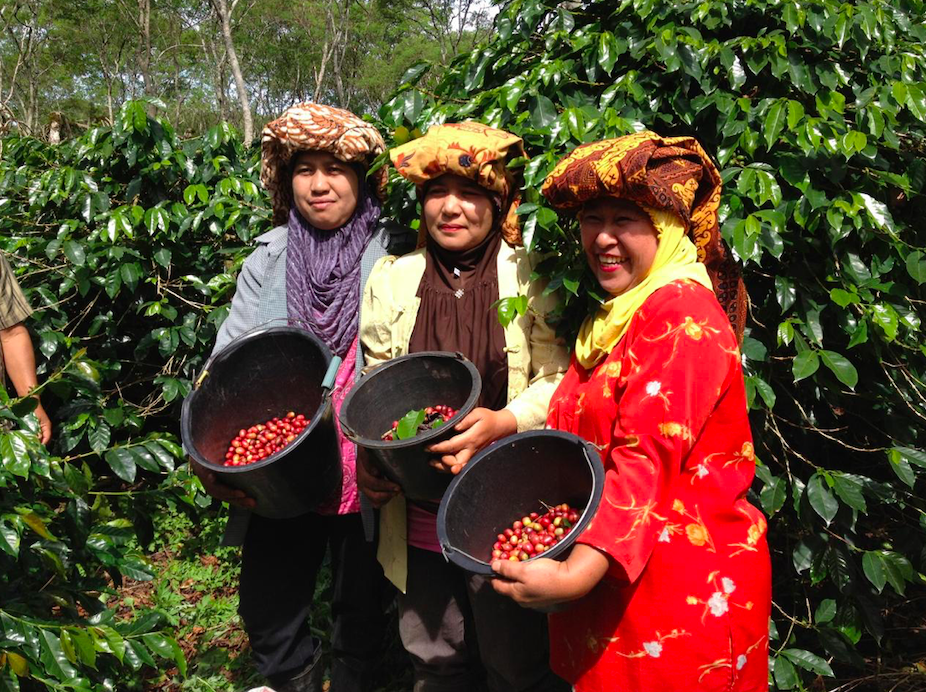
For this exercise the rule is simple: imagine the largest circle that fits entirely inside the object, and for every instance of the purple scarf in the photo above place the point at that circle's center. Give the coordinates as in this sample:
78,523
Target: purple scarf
323,273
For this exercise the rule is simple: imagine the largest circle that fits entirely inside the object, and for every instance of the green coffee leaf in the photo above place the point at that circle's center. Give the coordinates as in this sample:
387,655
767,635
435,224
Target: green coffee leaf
786,677
825,612
164,457
773,496
408,424
122,463
159,644
805,364
9,538
901,467
543,112
774,122
916,456
822,499
74,251
849,491
916,266
99,436
841,367
808,661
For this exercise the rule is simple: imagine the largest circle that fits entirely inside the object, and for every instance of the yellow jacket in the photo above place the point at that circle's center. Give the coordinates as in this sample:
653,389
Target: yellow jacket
536,358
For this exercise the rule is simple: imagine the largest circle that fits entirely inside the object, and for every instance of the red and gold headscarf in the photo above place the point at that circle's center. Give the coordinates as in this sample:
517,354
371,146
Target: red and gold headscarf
471,150
315,127
665,174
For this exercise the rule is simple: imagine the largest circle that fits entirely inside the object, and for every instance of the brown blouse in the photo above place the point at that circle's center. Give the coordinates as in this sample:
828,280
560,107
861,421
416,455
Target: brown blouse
457,291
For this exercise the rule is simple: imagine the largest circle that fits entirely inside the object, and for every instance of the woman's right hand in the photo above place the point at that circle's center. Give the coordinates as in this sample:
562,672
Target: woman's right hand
372,483
219,490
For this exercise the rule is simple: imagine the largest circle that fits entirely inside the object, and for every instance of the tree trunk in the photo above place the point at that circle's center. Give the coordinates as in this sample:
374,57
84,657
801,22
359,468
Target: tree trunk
144,60
224,13
212,57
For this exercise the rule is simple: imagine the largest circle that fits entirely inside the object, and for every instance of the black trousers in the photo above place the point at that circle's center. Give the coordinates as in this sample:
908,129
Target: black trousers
279,567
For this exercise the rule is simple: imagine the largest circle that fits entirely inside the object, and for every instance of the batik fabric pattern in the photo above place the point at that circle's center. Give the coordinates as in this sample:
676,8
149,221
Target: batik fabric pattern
471,150
315,127
686,601
672,174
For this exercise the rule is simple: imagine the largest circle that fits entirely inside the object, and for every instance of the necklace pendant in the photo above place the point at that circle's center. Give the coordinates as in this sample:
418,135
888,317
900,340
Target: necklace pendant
458,293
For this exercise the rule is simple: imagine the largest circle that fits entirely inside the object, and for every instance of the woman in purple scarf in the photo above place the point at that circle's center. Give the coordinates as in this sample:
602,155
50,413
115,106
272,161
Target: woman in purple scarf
311,269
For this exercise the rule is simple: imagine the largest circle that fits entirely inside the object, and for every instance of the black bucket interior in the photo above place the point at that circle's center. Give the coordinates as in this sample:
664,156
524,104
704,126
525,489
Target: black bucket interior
511,478
387,393
261,375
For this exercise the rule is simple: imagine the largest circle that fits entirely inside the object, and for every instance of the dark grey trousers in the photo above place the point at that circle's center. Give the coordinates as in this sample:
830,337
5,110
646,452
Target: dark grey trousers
463,636
279,566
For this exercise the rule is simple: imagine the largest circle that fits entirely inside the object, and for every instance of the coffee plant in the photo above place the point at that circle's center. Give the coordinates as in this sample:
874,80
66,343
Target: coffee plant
126,241
816,114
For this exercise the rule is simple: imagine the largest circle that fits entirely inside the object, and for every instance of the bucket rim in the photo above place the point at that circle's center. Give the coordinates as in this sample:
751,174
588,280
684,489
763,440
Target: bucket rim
478,566
259,332
463,411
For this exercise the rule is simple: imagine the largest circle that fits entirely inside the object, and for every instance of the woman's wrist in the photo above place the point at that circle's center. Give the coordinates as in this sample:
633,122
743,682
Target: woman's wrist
506,423
582,570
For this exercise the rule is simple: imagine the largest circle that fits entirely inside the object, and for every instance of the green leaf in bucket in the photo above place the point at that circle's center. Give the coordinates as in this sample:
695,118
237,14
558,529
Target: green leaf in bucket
437,423
408,425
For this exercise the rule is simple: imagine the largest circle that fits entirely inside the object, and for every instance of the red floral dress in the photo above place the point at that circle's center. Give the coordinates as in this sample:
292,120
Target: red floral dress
686,601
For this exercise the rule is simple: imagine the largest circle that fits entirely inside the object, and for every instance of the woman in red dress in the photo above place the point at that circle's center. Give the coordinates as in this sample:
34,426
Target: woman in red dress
671,582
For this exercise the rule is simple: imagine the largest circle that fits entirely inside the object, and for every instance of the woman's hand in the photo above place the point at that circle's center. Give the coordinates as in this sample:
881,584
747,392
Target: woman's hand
372,483
219,490
478,429
543,583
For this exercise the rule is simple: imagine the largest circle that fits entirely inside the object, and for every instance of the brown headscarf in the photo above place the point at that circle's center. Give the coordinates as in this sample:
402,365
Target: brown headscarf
671,174
315,127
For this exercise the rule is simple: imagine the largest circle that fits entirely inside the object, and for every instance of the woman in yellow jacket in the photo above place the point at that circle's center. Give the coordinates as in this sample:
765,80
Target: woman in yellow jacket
460,634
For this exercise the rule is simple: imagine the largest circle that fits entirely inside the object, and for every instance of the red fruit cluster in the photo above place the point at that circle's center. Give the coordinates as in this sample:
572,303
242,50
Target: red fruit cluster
432,414
535,534
261,440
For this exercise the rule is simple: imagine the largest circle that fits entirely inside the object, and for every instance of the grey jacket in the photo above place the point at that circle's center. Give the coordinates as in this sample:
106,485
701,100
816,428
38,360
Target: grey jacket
260,297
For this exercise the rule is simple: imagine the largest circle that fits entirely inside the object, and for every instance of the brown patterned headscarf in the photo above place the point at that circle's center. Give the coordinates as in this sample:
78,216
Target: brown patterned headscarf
471,150
315,127
672,174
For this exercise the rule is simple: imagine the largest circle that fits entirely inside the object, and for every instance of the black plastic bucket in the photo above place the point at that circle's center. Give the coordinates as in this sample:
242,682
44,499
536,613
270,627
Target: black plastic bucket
510,479
398,386
258,376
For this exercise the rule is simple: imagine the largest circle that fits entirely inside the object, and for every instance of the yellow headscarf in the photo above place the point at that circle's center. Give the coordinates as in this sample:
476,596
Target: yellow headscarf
676,259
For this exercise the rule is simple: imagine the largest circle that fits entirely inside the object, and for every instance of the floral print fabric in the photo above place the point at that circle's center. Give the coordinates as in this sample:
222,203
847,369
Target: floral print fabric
686,601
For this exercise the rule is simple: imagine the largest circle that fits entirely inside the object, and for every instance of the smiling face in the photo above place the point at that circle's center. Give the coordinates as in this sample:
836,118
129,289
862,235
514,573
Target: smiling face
620,243
457,212
325,189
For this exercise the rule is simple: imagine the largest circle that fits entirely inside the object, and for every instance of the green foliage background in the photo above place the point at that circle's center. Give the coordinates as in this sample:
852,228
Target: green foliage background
127,241
816,113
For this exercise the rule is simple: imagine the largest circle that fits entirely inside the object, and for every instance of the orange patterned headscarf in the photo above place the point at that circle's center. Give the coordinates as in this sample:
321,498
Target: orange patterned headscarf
672,174
315,127
471,150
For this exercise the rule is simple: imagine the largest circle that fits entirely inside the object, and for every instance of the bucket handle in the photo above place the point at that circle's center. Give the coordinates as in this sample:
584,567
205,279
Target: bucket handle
446,551
331,373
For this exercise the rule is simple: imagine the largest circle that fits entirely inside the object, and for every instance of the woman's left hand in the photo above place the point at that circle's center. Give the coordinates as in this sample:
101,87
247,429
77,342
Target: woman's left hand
543,583
478,429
